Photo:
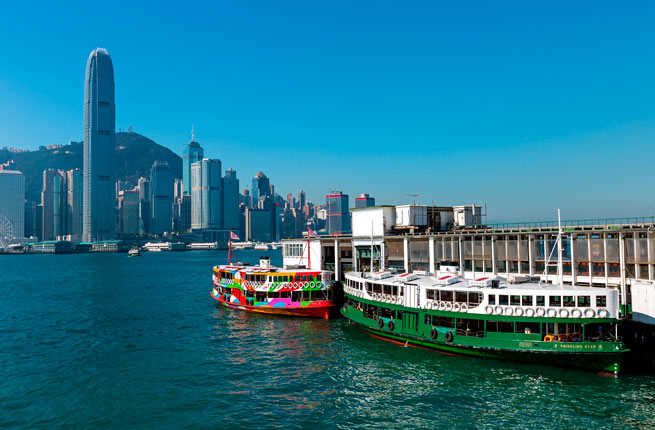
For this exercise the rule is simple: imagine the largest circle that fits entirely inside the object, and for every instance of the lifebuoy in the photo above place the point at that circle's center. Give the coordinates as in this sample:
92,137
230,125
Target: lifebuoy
548,338
518,312
529,313
603,313
456,307
434,333
564,313
540,312
508,311
442,305
589,313
449,306
489,309
464,307
380,323
391,325
498,310
552,312
449,336
576,313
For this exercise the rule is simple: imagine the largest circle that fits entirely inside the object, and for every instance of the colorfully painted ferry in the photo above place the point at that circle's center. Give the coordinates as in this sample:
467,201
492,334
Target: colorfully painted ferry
269,290
514,319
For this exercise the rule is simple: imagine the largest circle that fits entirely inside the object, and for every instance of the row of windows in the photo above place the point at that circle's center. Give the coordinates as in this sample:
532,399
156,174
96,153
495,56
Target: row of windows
554,301
472,298
293,249
394,290
280,278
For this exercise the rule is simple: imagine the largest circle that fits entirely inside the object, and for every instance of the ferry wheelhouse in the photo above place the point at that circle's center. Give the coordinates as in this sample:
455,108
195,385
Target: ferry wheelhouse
516,319
269,290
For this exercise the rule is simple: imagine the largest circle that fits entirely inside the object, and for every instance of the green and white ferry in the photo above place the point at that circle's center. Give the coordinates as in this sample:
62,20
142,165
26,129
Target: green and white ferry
511,319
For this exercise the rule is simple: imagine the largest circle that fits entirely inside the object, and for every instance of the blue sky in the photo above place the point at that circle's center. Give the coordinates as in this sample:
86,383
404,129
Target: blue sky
525,107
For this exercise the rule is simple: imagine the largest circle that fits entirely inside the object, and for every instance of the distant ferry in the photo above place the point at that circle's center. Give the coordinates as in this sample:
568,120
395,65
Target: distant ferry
269,290
514,319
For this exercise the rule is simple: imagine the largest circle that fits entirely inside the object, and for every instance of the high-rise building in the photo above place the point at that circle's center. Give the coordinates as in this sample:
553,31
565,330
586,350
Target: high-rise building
231,212
53,203
181,207
74,187
364,201
302,200
261,187
338,214
161,197
206,195
12,205
145,213
193,152
98,222
128,209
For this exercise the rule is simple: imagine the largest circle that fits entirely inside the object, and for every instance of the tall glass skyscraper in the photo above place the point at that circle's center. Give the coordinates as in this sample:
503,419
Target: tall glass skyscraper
99,198
231,213
338,215
161,197
193,152
12,205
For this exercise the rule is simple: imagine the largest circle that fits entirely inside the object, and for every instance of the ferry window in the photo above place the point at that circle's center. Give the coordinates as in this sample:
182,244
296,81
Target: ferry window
515,300
526,300
460,296
500,327
475,299
601,301
569,302
555,301
584,301
429,294
443,322
447,296
492,299
541,301
528,328
503,300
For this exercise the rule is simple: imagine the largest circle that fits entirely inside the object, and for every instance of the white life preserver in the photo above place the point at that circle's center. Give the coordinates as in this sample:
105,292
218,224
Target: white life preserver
518,312
552,312
540,312
442,305
449,306
576,313
603,313
489,309
529,312
498,310
589,313
508,311
456,307
564,313
463,307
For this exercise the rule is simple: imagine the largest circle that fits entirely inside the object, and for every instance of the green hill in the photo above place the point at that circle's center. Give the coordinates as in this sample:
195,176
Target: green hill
134,157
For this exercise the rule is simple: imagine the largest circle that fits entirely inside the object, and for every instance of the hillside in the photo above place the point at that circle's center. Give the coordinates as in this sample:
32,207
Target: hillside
134,157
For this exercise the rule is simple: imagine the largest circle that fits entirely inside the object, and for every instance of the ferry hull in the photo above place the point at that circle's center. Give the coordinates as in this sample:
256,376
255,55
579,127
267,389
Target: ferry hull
326,311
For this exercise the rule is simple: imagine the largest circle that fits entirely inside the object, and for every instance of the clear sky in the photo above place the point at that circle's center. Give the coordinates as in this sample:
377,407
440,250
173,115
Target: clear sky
526,107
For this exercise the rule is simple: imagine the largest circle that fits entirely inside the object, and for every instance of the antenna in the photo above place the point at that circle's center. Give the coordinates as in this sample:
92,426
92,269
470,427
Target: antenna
193,133
415,196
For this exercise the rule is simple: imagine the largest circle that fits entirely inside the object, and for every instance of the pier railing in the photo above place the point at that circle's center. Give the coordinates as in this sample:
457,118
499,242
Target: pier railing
571,223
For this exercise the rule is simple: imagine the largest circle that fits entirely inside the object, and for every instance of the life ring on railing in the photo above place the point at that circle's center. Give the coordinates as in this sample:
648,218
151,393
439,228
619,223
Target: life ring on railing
552,312
391,325
564,313
540,312
508,311
529,312
603,313
442,305
589,313
498,310
548,338
518,312
434,333
464,307
456,307
380,323
489,309
449,306
449,336
576,313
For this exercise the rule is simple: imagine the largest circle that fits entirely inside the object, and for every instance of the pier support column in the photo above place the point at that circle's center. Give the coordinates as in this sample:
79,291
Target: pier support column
635,252
591,264
624,293
406,253
494,269
461,255
574,267
431,255
649,238
530,254
383,250
337,255
606,266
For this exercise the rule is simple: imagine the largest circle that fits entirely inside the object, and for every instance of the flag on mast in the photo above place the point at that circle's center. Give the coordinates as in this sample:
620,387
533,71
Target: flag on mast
234,236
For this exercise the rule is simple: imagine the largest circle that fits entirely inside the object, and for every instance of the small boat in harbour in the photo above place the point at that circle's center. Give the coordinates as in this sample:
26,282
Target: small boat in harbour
269,290
134,252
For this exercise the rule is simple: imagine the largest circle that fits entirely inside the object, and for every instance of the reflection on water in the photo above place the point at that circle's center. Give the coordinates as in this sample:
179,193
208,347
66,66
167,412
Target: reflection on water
113,342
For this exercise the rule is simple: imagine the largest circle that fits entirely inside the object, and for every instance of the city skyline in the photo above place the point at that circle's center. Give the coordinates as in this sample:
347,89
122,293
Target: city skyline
546,113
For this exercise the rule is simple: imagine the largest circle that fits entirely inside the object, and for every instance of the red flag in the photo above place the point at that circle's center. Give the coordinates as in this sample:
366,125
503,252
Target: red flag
311,232
233,236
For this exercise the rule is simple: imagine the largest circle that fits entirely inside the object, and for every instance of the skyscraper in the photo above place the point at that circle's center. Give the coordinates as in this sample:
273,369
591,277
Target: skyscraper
206,195
364,201
338,214
231,212
99,142
12,205
74,184
193,152
161,197
53,203
144,206
261,187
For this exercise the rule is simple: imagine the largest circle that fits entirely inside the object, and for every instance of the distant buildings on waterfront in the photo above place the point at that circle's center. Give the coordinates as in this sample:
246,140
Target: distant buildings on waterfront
12,205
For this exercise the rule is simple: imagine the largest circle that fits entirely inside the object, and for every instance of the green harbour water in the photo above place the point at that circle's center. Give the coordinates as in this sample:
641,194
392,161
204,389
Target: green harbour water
106,341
